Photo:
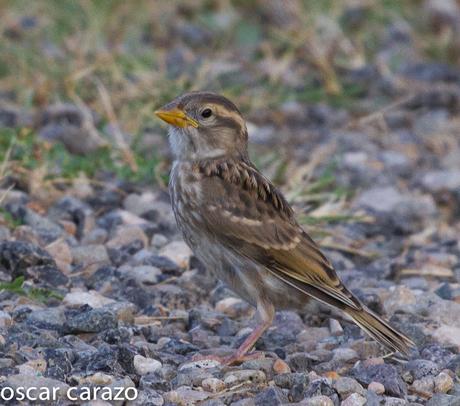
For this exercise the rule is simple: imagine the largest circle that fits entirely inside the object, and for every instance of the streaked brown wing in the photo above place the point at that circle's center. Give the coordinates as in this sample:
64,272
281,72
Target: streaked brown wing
254,219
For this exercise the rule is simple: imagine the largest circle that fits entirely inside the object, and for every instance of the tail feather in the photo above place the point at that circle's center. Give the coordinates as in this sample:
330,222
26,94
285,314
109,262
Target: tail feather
371,323
381,331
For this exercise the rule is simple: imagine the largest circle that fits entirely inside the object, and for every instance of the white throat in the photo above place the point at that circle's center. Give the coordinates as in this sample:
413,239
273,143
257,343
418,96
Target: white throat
183,149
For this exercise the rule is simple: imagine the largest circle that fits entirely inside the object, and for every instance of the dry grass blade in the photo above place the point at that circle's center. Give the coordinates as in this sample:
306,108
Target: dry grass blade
6,159
5,193
348,250
121,144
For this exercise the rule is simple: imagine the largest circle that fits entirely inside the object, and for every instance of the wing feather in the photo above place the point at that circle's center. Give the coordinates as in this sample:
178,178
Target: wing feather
258,223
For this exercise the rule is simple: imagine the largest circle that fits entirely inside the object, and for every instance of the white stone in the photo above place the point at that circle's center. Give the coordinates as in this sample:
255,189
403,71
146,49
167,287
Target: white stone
145,274
144,365
200,364
376,387
127,234
231,306
320,400
213,385
449,335
355,399
178,252
91,298
5,319
443,383
185,396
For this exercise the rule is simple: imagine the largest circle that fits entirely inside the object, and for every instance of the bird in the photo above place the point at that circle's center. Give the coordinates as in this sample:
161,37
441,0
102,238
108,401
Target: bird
241,227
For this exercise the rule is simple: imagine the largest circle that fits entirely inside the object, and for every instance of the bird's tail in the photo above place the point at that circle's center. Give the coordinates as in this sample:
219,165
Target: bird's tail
380,330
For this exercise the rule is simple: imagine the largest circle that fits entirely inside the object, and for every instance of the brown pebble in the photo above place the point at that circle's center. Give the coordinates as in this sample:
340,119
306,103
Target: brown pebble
443,383
281,367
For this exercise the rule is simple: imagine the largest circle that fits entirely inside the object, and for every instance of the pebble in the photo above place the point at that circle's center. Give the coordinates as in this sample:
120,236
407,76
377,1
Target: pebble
178,252
91,321
355,399
144,366
281,367
125,235
317,401
90,256
423,385
243,376
91,298
139,203
147,397
5,319
213,385
143,274
271,396
62,255
185,396
386,374
391,401
448,335
343,355
200,364
232,307
443,383
96,236
159,240
335,327
345,386
376,387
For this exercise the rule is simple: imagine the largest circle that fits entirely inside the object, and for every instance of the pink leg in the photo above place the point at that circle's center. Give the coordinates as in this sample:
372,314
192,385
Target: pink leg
266,313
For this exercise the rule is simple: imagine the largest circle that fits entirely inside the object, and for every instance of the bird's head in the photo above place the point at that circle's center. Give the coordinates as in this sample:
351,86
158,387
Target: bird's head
204,125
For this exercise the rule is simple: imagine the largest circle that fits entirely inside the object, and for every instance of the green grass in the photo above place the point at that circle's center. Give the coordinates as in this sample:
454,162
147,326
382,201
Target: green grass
37,294
29,153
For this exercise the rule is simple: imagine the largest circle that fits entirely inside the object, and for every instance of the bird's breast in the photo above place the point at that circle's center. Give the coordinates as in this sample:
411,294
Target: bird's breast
186,197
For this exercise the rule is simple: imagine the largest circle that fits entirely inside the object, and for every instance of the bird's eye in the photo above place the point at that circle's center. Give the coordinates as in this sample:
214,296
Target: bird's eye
206,113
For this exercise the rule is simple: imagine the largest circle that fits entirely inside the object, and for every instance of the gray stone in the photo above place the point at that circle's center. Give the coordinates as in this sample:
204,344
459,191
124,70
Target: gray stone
441,399
185,396
86,255
345,386
386,374
270,397
355,399
90,298
17,256
245,375
50,319
143,274
320,400
90,320
147,397
144,366
420,368
437,181
96,236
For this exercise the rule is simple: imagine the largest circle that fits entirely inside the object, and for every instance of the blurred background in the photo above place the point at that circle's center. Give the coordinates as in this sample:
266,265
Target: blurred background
79,79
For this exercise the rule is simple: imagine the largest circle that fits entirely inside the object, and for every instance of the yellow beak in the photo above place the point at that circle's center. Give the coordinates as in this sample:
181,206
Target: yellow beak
176,117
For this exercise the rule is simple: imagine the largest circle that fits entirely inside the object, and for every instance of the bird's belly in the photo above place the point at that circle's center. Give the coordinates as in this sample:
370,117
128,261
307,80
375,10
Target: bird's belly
246,278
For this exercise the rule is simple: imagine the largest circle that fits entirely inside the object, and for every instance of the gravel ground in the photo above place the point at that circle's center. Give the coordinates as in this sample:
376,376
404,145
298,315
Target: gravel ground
113,297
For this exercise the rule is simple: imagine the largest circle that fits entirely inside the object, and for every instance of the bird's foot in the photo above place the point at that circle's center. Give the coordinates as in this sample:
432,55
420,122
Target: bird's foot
232,359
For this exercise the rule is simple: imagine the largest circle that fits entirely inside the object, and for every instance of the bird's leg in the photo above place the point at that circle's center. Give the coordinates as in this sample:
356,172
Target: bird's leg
265,314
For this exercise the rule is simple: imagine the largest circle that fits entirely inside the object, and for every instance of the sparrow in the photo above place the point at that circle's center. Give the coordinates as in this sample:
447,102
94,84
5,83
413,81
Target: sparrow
242,228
